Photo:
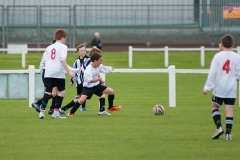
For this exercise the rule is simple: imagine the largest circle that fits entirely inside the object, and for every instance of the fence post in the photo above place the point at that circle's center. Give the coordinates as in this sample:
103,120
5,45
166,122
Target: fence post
102,75
31,79
130,56
202,56
166,56
23,57
238,52
172,86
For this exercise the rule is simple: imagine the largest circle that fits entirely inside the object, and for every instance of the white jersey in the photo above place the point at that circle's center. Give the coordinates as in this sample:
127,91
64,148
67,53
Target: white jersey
54,54
92,73
224,74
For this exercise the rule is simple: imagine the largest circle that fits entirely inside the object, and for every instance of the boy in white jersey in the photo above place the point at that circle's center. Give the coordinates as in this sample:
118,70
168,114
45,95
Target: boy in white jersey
222,78
55,68
92,84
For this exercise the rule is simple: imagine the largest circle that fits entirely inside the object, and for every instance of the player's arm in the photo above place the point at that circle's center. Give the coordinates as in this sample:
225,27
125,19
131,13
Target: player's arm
64,63
105,69
209,85
238,69
63,56
42,63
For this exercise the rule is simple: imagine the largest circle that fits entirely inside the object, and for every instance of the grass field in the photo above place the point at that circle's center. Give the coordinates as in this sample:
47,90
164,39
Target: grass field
183,132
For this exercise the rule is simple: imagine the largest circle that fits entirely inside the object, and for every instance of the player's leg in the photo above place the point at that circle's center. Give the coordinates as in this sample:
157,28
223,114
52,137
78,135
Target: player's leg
54,94
60,84
63,109
102,103
80,101
216,104
47,95
229,117
37,104
79,93
111,97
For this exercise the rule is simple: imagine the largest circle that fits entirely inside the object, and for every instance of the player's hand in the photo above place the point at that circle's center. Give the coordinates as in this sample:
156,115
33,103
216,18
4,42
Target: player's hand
71,74
204,92
113,69
102,82
100,79
70,83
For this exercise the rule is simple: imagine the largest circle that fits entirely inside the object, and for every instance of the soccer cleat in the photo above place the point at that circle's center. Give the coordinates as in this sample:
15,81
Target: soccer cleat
115,108
70,115
50,111
61,111
104,113
218,132
58,116
35,105
83,109
41,115
228,137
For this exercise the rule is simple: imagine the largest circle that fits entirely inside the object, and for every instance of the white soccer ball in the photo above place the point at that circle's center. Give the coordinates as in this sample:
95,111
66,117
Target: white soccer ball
158,109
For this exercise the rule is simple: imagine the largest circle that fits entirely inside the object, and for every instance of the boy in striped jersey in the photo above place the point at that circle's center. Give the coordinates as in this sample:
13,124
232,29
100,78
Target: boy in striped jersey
222,78
81,62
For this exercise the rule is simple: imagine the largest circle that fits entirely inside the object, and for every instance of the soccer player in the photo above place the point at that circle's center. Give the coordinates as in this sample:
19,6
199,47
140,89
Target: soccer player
93,85
37,104
55,68
222,78
81,62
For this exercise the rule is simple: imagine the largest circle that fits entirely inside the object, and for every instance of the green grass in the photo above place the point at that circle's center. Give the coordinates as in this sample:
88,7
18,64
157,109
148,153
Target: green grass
183,132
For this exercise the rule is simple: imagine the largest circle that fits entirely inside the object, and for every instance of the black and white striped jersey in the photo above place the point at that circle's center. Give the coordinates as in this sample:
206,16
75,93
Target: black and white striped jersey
80,63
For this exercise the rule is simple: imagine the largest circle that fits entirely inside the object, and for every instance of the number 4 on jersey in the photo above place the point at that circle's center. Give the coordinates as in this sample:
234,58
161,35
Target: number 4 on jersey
226,66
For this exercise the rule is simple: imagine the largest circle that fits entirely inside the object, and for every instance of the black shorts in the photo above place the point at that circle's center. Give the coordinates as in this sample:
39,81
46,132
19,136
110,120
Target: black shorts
97,90
54,82
227,101
79,89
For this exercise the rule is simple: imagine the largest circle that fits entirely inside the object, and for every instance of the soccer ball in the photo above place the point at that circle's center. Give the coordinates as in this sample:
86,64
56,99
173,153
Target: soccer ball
158,109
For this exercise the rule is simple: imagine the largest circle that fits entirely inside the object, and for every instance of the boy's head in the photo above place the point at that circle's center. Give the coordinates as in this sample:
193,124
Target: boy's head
81,50
96,58
227,41
94,49
60,34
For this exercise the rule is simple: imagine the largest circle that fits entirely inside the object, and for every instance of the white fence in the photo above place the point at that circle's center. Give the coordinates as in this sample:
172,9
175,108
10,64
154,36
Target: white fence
166,50
171,78
24,51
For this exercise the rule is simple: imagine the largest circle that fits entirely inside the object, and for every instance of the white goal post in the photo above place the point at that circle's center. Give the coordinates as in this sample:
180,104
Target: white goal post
166,50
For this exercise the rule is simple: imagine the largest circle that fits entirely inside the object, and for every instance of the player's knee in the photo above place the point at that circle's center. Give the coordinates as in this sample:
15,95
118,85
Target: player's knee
61,93
111,91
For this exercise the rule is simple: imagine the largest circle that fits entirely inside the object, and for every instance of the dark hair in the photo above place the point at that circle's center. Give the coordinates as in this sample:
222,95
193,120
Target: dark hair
60,33
80,46
95,56
94,49
227,41
53,41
